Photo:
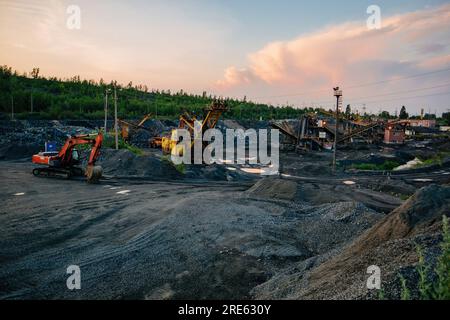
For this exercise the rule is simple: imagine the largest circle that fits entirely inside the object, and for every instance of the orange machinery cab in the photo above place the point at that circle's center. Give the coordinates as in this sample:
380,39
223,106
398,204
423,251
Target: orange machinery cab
52,158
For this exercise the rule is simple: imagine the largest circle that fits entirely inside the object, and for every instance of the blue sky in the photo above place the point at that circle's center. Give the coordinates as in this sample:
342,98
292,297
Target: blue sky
268,20
258,48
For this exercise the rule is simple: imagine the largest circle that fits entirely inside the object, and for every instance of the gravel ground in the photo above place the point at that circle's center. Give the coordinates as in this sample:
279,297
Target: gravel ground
157,240
153,231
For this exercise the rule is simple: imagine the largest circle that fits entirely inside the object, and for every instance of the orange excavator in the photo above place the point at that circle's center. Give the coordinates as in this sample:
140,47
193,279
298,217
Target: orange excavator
64,163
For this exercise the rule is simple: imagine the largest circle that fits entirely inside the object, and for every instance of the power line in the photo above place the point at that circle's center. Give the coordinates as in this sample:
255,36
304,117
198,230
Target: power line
398,79
392,93
400,98
358,86
393,99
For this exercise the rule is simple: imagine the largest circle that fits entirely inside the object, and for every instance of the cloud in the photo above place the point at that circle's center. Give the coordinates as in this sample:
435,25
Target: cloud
348,53
234,76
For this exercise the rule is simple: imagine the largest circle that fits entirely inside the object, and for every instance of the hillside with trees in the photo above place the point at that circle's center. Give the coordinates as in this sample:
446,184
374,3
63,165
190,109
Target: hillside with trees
33,96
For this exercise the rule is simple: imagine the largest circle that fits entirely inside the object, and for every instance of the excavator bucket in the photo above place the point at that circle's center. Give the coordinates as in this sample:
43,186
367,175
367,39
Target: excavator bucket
93,173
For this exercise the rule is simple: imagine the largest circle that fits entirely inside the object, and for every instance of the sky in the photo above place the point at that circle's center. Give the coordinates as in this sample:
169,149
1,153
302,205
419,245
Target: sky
279,52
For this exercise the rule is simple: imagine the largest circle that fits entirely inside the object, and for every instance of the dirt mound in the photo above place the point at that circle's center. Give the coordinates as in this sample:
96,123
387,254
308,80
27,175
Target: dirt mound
271,188
389,244
140,138
15,152
422,212
123,163
216,172
230,124
22,139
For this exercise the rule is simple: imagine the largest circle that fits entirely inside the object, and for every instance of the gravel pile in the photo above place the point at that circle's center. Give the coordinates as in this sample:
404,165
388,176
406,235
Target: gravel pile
124,163
390,244
22,139
271,188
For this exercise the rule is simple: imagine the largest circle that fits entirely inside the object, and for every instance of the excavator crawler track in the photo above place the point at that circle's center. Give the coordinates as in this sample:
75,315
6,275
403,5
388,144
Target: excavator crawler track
52,172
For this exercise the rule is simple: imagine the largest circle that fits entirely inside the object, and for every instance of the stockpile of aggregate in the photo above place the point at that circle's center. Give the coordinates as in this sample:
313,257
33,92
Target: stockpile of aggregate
22,139
124,163
391,244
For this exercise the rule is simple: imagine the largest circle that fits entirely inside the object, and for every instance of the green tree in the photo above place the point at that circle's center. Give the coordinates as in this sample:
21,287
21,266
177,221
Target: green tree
403,113
385,115
446,117
348,111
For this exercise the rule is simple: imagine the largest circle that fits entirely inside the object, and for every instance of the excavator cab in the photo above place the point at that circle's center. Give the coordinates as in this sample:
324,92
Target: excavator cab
75,156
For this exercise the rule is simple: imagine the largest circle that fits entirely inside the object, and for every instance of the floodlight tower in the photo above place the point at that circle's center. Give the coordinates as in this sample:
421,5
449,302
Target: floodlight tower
338,95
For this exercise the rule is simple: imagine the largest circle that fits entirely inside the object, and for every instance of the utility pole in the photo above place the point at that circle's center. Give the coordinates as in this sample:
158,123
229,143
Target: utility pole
338,95
12,107
106,110
115,118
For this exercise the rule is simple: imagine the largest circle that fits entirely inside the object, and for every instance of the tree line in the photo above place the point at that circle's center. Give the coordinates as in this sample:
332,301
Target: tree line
32,96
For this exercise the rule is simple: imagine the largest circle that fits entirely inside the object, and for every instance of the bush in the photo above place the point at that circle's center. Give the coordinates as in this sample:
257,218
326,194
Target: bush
110,142
386,166
439,288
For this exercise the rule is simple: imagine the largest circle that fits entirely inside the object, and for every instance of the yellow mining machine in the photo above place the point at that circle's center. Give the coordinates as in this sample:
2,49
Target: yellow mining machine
187,121
128,128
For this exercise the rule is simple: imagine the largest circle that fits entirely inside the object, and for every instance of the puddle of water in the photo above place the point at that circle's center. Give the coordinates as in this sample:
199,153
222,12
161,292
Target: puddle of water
231,168
123,192
349,182
115,188
19,194
423,180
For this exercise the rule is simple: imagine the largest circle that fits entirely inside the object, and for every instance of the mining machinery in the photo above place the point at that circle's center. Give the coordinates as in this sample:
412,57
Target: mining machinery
65,163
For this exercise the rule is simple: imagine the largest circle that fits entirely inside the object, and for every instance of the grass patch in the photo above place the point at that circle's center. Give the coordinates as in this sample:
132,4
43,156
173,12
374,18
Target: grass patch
110,142
439,289
437,159
181,168
385,166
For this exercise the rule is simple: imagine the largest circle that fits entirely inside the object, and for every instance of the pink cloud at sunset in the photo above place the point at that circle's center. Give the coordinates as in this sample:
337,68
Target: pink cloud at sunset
349,53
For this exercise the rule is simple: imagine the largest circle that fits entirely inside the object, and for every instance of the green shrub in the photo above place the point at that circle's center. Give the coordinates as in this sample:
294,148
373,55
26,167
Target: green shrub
385,166
439,289
181,168
110,142
405,294
436,159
